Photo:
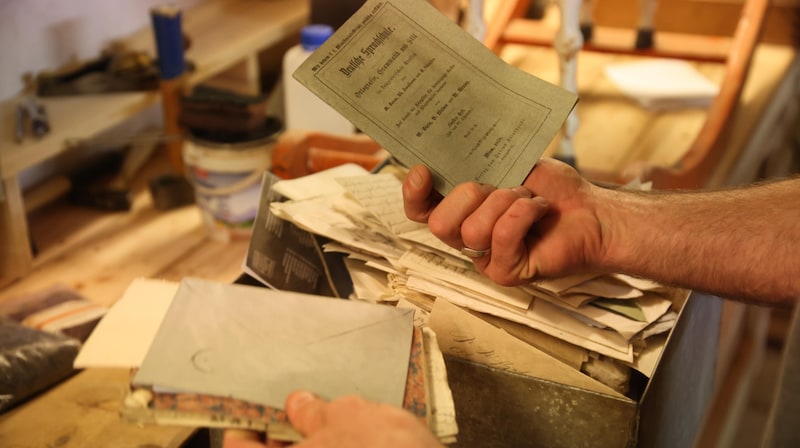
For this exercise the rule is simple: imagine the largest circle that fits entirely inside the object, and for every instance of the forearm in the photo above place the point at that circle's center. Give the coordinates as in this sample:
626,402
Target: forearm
741,244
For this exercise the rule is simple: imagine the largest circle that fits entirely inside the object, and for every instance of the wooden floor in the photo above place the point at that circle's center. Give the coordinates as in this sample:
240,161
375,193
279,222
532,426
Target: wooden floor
99,253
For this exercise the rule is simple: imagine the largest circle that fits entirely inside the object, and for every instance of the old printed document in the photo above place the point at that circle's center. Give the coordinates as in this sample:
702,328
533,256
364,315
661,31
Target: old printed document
430,93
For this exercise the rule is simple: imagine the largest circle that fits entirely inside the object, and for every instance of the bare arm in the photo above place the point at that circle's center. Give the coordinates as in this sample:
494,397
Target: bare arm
741,244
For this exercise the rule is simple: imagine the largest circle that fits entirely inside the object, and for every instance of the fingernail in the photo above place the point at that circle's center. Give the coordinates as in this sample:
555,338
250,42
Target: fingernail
542,201
415,178
522,192
300,399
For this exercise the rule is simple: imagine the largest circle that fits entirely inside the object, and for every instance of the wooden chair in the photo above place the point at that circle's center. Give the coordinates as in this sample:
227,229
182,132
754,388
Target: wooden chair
508,25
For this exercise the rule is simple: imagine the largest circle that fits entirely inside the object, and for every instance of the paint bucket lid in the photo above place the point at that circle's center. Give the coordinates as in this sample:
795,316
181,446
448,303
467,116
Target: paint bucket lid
226,140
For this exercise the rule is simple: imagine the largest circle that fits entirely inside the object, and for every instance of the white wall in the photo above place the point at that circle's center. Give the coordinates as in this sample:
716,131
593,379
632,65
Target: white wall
40,35
37,35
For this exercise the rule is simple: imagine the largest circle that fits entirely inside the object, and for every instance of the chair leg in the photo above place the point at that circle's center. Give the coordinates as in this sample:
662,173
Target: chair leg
644,30
567,43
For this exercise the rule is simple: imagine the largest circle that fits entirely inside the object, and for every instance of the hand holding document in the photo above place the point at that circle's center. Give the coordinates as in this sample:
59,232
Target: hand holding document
180,340
430,93
380,229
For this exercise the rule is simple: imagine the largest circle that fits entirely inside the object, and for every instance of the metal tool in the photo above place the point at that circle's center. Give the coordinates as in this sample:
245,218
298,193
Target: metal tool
37,116
31,117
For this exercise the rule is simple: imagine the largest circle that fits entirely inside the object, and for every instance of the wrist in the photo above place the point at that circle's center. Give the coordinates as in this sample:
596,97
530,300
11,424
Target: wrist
617,212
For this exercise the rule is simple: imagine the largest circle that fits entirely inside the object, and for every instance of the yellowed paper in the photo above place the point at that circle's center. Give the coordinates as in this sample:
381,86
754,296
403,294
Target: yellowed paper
442,408
368,284
322,183
122,338
466,278
463,335
647,360
569,354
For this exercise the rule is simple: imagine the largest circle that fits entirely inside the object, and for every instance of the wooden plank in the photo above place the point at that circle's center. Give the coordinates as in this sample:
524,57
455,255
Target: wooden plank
83,411
730,398
243,77
769,96
212,260
609,121
667,138
622,40
709,17
16,257
99,253
670,134
731,334
104,257
80,116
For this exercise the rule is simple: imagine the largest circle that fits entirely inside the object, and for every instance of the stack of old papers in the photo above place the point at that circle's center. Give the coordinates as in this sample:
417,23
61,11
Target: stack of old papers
392,259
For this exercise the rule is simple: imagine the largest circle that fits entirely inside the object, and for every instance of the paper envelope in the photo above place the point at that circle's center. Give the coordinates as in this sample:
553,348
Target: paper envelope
259,345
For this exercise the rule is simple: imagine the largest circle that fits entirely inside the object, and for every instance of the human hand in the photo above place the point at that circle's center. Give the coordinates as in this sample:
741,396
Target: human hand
545,228
239,438
354,422
345,422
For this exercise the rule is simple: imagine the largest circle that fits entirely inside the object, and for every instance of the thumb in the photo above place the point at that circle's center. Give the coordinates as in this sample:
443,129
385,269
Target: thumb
236,438
306,411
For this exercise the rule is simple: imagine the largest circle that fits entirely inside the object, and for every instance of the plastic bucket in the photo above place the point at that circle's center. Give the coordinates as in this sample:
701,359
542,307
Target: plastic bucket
226,177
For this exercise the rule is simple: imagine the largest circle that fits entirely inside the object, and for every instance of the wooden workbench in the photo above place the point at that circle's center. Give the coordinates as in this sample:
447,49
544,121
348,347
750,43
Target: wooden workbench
83,412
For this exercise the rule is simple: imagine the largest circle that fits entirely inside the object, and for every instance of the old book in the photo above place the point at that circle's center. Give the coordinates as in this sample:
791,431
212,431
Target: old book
144,405
226,355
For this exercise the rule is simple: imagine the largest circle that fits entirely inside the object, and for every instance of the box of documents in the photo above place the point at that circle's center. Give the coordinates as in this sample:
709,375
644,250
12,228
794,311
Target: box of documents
593,360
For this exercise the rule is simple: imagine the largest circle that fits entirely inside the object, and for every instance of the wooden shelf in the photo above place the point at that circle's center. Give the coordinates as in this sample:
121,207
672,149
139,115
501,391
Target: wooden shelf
223,32
225,35
70,117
